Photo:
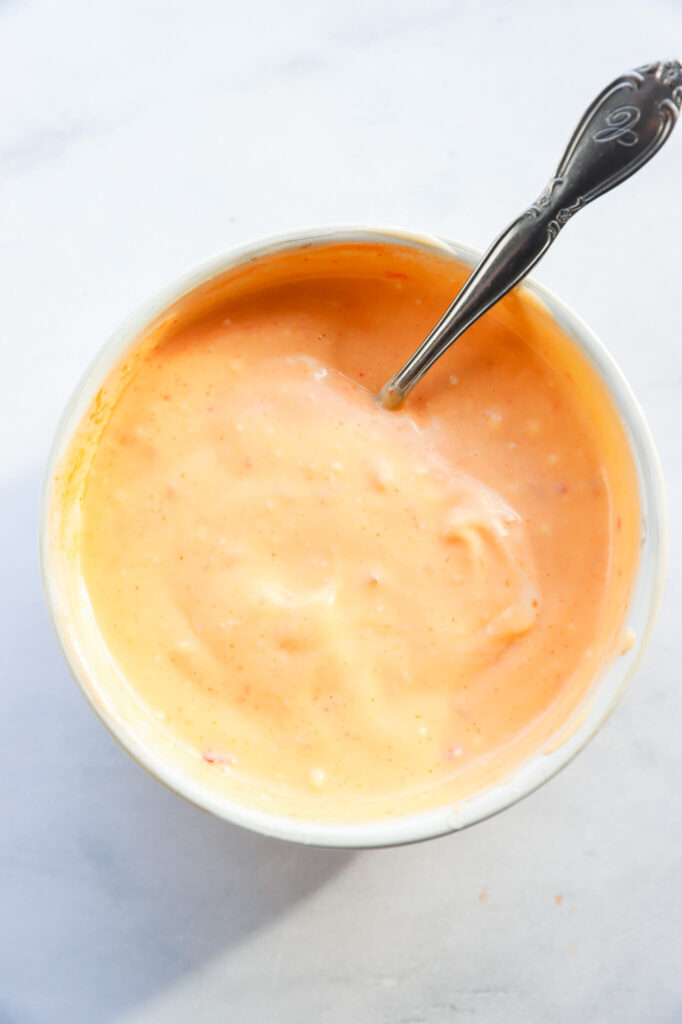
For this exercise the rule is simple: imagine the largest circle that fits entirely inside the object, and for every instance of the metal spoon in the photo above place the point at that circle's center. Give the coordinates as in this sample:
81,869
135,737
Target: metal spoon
627,123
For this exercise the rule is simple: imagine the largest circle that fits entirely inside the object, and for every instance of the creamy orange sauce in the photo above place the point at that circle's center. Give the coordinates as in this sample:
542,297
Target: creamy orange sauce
338,611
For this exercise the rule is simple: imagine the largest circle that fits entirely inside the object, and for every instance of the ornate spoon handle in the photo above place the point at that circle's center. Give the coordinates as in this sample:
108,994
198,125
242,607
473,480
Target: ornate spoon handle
627,123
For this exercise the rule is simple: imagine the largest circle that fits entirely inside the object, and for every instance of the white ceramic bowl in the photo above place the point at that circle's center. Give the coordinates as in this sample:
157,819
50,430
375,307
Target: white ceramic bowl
608,687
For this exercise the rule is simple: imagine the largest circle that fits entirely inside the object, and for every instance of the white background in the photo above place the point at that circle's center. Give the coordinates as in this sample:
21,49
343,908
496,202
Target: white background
136,140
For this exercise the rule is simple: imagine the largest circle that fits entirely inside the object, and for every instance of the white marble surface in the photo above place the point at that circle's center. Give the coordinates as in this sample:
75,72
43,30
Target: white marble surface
138,138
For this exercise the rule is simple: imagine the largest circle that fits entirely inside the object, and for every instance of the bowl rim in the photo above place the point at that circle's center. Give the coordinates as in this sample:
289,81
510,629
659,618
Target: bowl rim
533,773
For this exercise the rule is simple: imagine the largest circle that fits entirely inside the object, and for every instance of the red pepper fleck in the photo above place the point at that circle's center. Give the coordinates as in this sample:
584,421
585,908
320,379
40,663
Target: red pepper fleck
215,757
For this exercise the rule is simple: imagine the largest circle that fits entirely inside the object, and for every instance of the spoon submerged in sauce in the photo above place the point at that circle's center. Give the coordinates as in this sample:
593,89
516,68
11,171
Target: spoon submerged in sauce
626,124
